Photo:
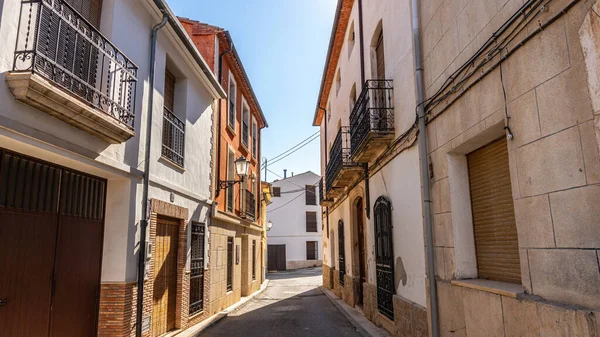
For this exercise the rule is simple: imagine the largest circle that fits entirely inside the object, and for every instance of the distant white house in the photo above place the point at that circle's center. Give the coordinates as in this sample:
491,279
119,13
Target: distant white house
294,241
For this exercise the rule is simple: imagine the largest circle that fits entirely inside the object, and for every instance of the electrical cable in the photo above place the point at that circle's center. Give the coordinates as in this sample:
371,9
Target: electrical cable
302,187
289,154
287,203
308,140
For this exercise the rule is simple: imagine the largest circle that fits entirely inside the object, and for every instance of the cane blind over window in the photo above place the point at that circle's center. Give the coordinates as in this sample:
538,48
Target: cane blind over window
311,222
494,224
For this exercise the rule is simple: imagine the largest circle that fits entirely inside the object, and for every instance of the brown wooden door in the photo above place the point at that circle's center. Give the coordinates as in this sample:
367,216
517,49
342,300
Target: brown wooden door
165,276
380,55
50,249
276,257
494,225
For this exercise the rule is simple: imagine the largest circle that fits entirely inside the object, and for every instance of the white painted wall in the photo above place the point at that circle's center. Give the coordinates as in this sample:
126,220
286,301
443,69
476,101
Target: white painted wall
288,214
128,25
399,180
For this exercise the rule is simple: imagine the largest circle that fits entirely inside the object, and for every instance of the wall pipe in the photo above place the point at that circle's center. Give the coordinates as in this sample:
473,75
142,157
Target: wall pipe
146,215
325,150
362,81
219,121
433,303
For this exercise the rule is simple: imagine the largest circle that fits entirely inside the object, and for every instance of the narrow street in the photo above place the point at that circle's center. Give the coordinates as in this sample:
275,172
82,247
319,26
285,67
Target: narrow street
292,305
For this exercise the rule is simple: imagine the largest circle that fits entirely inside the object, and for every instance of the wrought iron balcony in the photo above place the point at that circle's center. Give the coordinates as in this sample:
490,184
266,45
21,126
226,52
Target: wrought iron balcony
324,200
173,140
250,206
341,171
372,120
59,55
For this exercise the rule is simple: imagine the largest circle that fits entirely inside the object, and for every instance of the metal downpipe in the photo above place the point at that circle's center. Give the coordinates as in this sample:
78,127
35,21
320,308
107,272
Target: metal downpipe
424,161
144,223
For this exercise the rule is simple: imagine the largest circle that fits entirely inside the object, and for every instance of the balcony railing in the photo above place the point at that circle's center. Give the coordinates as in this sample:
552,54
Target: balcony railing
371,119
57,43
173,140
341,170
250,206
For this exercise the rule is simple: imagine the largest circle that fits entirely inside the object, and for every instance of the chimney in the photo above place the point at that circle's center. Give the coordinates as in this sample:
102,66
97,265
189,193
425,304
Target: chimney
292,174
284,173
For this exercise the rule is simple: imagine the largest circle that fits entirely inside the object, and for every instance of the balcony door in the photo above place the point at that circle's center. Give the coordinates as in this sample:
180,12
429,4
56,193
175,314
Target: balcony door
91,10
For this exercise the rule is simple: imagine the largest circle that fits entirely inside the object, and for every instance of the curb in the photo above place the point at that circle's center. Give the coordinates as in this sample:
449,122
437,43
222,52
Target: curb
365,327
196,329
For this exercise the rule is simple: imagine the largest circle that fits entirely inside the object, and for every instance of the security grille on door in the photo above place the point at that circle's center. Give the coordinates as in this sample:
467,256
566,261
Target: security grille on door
342,253
197,268
384,256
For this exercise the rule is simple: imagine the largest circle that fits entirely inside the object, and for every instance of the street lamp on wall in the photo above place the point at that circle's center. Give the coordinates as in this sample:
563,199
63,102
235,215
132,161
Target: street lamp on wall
269,225
241,168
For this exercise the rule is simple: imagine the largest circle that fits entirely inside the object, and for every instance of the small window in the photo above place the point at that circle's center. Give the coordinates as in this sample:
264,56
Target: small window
230,176
311,194
312,250
245,124
232,94
311,222
253,260
197,268
254,138
351,39
276,191
229,263
338,82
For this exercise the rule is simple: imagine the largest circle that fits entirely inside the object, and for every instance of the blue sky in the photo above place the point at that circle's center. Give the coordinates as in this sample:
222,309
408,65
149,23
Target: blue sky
283,45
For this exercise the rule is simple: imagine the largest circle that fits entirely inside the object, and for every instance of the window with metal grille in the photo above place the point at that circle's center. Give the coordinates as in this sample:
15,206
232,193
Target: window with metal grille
384,257
229,263
230,176
276,191
197,268
232,94
310,194
312,250
173,140
494,225
311,222
253,260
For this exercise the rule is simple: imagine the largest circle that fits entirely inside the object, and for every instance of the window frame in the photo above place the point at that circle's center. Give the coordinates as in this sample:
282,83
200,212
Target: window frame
315,251
308,194
229,270
316,222
245,121
254,137
231,124
278,193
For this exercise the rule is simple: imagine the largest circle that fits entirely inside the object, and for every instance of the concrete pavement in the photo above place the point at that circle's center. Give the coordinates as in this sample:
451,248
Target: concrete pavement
292,305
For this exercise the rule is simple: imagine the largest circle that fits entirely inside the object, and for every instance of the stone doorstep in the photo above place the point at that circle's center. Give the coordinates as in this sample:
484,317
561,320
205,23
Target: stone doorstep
196,329
356,317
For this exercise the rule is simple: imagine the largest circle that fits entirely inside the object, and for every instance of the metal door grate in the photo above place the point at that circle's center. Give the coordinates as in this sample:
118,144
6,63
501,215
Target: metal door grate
384,256
342,252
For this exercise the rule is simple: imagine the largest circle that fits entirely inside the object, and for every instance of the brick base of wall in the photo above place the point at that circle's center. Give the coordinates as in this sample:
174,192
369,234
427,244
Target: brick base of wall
116,317
328,277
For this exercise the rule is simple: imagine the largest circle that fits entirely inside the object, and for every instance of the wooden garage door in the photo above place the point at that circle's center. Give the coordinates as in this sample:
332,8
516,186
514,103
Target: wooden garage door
494,224
51,237
276,260
165,276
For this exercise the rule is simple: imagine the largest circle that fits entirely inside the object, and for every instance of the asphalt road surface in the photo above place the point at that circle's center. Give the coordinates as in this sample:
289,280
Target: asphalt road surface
292,305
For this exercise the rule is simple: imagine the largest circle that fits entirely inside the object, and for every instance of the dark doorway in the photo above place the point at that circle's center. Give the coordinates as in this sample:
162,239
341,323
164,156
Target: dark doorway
341,252
384,256
362,259
276,260
51,235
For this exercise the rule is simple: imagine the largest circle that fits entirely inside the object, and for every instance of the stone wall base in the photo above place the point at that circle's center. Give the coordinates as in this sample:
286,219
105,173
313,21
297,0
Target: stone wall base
350,291
290,265
328,277
469,312
337,287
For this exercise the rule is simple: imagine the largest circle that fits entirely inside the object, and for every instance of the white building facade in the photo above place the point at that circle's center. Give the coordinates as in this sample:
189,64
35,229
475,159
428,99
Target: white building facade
294,241
74,105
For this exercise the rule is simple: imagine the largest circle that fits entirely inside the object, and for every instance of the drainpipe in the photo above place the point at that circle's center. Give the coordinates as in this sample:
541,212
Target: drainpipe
362,80
221,55
433,303
325,145
144,223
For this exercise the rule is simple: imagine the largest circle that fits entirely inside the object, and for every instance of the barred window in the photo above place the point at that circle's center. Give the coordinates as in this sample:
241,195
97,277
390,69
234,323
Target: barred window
253,260
229,263
197,268
311,195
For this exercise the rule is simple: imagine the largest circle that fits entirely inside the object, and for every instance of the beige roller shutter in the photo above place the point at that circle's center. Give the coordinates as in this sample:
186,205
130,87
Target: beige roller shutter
494,224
